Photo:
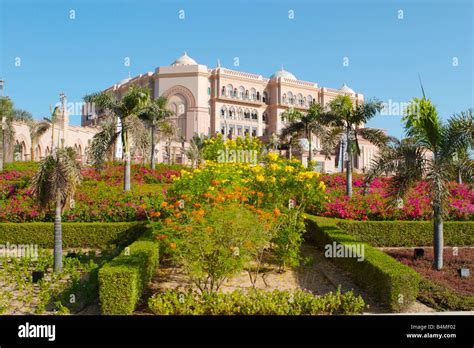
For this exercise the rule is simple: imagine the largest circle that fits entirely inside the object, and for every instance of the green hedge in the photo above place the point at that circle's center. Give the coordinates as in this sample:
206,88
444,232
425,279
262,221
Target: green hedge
122,281
390,282
408,233
442,298
255,302
75,234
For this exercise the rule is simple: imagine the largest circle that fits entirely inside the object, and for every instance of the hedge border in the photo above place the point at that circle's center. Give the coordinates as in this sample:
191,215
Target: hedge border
75,234
390,282
408,233
123,280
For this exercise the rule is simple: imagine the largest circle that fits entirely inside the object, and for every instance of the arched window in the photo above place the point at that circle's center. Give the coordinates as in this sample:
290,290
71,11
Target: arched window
309,100
300,99
265,97
241,92
247,114
38,152
254,114
223,111
284,99
232,113
240,113
264,117
253,94
258,95
235,93
223,91
291,98
247,94
229,89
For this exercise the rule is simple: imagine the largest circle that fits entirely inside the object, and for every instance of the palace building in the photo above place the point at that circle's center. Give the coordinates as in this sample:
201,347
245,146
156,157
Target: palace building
235,103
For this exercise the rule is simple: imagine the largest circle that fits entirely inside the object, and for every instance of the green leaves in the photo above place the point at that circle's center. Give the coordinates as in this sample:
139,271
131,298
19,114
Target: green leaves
422,123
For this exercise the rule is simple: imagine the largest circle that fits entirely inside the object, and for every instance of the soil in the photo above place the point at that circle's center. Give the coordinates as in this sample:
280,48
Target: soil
454,259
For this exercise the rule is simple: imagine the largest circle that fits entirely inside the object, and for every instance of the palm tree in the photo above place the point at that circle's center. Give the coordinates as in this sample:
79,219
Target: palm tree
168,130
153,113
37,129
345,120
102,144
428,154
52,120
291,140
196,146
55,183
131,104
6,126
463,166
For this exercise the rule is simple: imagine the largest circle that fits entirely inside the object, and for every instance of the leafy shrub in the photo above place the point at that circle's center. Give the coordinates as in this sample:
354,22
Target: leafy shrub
392,283
90,235
255,302
408,233
122,281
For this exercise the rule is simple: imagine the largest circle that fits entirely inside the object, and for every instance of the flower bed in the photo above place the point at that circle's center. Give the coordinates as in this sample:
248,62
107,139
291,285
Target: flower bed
99,198
374,205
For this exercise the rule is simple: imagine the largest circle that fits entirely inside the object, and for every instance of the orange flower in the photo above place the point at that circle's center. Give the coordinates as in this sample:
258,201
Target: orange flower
215,182
155,214
168,221
177,215
164,204
260,194
277,212
197,205
183,196
207,195
161,236
173,245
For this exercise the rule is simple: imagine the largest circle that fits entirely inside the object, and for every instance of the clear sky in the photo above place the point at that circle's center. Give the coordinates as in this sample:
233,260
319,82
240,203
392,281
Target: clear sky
385,53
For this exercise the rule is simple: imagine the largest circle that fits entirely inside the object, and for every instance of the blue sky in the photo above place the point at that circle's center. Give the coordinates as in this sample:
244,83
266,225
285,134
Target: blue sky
385,53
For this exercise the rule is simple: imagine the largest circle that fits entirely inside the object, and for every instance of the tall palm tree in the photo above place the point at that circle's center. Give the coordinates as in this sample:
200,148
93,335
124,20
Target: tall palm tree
168,130
55,183
428,154
102,144
463,166
131,104
153,113
52,120
37,129
345,120
290,140
196,146
6,126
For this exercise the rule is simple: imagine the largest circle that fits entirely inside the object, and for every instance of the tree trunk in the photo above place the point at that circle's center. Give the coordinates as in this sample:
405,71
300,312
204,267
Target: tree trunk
459,180
2,148
127,162
349,169
438,240
32,150
152,162
310,155
58,238
290,151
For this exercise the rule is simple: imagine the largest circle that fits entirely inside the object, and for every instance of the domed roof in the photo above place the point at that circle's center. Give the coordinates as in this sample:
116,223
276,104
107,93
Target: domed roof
346,89
284,74
184,60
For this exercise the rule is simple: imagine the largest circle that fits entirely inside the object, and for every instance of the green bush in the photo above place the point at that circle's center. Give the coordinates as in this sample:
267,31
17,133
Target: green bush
408,233
255,302
443,299
122,281
75,234
390,282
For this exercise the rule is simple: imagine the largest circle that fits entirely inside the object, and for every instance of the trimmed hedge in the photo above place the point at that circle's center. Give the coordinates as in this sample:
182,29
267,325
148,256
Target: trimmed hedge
390,282
442,298
408,233
255,302
122,281
75,234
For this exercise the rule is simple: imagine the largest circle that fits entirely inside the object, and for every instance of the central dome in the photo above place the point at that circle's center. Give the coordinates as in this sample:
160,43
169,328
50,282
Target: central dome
284,74
346,89
184,60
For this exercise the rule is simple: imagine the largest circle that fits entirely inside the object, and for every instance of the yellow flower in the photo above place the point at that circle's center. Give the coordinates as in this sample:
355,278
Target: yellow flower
289,169
273,156
274,166
273,179
260,178
322,186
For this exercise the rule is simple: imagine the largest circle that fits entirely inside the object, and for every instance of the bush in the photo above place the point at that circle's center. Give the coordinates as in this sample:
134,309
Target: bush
122,281
75,235
408,233
390,282
442,298
255,302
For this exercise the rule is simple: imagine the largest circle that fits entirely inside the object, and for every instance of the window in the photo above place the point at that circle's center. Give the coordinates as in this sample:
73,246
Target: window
291,99
208,90
242,92
222,128
265,98
239,131
258,95
254,131
229,89
247,94
240,114
247,114
247,131
235,93
253,94
223,91
232,113
284,98
264,117
254,115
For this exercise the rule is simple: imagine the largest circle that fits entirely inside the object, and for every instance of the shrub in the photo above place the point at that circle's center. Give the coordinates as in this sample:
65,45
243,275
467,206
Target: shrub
255,302
392,283
122,281
408,233
75,235
443,299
